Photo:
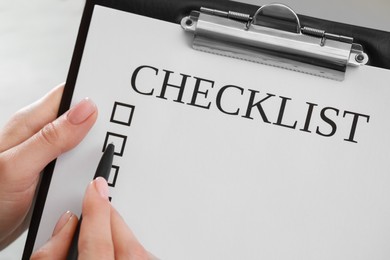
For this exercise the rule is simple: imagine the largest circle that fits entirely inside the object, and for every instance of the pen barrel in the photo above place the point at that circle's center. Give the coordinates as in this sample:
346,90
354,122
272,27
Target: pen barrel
73,252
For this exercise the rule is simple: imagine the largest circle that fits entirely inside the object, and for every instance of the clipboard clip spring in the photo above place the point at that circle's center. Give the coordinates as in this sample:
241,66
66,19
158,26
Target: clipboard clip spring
274,36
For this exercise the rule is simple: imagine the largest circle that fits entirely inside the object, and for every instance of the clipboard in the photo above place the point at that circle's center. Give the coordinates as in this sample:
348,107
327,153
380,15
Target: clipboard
378,56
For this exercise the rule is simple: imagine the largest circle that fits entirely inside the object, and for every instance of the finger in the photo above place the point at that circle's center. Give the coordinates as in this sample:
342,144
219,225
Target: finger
95,240
31,119
126,244
22,163
58,245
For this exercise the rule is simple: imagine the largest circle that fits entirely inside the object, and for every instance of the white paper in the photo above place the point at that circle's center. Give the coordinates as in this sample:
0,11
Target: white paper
197,183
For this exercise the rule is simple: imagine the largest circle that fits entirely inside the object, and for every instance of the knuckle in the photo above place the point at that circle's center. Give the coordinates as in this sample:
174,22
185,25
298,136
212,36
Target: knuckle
50,134
22,119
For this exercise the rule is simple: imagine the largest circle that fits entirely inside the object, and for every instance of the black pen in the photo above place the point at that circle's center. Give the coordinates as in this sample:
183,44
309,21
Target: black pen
103,170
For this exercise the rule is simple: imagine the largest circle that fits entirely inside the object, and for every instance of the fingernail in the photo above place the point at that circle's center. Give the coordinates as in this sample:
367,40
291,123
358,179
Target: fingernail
64,219
101,186
80,112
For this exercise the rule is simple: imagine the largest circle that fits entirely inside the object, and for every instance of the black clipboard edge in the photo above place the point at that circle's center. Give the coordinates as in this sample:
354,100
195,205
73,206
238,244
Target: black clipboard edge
64,106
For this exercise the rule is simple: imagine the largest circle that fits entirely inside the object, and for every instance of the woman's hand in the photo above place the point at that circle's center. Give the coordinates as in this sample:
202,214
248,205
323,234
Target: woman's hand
31,139
103,233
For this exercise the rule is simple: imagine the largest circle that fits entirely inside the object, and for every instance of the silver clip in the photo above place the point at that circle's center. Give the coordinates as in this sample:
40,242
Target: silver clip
274,36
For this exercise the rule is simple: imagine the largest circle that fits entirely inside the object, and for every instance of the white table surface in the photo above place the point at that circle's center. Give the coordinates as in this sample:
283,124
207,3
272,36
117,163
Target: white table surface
37,39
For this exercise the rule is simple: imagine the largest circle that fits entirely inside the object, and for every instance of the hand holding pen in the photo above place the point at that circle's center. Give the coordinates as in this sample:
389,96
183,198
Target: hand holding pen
102,233
26,139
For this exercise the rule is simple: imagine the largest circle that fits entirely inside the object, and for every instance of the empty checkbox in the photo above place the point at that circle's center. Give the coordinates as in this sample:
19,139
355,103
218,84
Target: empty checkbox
113,175
122,113
118,140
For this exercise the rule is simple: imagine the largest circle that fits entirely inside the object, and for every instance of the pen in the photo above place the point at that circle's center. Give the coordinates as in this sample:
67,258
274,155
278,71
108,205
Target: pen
103,170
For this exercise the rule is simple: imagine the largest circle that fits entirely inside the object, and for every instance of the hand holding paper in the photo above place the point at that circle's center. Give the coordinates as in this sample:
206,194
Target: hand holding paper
30,140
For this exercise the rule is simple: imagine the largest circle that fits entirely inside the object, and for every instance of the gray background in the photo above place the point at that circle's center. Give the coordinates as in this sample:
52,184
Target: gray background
37,39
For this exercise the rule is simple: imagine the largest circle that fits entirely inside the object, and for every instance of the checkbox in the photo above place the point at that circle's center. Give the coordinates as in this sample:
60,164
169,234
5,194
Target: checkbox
122,114
118,140
113,175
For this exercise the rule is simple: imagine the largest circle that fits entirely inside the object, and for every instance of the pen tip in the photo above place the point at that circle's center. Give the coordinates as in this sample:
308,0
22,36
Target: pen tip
110,146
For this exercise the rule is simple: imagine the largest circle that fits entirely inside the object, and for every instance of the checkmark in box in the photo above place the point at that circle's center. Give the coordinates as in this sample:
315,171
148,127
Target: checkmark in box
122,114
118,140
113,175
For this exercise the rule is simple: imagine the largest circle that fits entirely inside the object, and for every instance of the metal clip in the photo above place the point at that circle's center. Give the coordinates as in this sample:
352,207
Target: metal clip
274,36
